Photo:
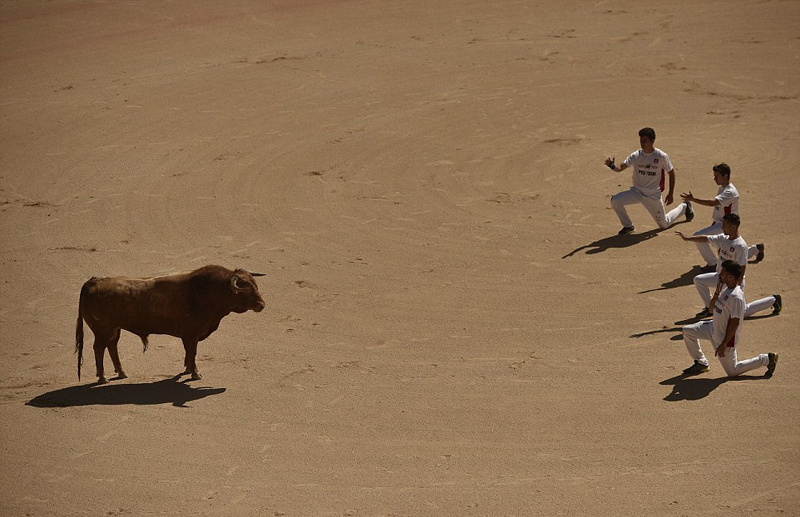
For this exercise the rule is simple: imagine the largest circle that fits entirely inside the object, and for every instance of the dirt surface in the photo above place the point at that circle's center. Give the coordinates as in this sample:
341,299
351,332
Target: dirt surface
452,326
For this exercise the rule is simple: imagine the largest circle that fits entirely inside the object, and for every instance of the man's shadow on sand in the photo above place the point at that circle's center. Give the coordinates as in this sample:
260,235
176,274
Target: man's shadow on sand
693,388
614,241
167,391
682,281
678,330
665,330
619,241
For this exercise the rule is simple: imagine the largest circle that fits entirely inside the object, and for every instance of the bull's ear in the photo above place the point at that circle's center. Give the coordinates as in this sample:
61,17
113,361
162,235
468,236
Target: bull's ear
257,274
238,284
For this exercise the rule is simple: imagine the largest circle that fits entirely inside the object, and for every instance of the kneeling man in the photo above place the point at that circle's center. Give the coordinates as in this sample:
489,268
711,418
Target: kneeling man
724,329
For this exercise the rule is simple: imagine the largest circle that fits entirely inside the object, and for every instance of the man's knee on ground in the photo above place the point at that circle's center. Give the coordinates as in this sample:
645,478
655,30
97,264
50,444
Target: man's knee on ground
728,365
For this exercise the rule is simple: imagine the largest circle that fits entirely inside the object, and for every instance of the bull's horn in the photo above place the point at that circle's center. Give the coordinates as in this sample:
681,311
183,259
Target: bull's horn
257,274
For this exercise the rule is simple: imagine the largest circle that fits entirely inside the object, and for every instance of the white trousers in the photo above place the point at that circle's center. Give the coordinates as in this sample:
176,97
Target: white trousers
708,281
705,283
692,334
654,206
758,306
705,248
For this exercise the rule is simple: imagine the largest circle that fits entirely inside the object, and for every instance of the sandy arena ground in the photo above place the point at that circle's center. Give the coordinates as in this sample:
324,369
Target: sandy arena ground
452,326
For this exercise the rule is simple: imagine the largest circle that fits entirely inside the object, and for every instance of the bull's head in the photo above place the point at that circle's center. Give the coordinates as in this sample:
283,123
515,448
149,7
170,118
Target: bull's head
245,292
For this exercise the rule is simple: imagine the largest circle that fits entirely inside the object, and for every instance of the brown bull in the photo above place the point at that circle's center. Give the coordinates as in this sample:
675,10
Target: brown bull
189,306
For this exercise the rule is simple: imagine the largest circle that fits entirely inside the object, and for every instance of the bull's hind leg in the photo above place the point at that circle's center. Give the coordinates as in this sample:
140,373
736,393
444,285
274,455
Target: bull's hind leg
101,341
190,345
114,353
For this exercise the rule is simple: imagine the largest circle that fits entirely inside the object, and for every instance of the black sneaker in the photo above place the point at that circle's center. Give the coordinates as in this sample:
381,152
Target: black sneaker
689,211
699,367
626,230
777,306
773,362
705,313
760,255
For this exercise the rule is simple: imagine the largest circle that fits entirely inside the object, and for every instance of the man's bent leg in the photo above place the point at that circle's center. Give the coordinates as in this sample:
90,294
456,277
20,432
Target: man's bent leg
618,202
674,214
758,306
704,283
692,334
703,247
657,211
734,367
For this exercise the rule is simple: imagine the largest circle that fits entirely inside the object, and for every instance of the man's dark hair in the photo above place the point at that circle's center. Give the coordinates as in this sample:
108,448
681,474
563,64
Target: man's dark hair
649,132
733,218
732,268
722,168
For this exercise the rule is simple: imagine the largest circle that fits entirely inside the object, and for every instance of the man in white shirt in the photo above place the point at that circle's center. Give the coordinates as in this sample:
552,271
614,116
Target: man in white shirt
650,166
724,330
725,202
729,245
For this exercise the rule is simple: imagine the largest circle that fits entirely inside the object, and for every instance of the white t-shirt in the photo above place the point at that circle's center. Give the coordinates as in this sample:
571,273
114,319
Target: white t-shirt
728,198
727,249
730,304
649,171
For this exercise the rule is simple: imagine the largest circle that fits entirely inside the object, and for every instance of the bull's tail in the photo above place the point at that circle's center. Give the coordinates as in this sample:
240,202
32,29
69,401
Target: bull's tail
79,330
145,342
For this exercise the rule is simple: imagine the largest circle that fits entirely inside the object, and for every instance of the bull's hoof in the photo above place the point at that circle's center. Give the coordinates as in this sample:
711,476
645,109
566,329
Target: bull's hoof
196,376
102,380
122,375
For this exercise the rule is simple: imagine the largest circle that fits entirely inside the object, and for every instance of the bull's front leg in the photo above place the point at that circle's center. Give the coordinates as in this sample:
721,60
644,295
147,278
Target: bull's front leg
190,346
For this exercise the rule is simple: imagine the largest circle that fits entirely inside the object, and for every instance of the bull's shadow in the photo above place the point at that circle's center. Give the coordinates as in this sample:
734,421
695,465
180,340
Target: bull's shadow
614,241
694,388
167,391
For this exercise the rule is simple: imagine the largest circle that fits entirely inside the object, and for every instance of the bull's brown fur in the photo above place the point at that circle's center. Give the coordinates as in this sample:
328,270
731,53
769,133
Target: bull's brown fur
189,306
